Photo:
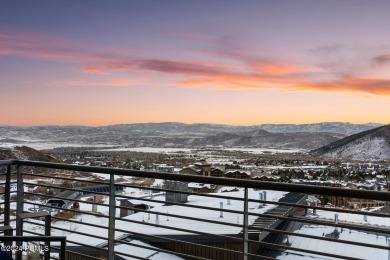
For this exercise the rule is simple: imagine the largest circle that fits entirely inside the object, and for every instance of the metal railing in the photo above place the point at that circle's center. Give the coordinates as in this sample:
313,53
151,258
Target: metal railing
246,219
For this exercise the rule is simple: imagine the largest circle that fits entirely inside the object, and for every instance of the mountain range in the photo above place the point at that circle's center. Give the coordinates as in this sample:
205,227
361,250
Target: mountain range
331,140
285,136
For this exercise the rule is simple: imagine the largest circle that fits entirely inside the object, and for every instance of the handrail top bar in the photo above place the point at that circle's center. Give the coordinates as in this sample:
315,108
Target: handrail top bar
7,162
33,238
288,187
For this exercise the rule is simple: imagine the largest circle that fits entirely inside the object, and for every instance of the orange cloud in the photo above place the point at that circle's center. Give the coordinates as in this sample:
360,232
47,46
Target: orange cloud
279,69
371,86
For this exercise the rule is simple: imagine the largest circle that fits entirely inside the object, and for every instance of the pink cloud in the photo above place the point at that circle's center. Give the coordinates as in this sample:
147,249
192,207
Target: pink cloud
48,47
243,70
114,83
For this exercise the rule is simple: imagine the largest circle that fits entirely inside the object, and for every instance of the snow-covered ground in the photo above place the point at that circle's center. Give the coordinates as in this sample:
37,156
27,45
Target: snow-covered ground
47,144
7,145
188,150
265,150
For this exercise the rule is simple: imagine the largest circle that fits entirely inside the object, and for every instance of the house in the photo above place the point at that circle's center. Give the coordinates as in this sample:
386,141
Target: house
205,169
354,203
190,170
201,187
238,174
200,168
217,172
263,177
136,206
163,168
39,189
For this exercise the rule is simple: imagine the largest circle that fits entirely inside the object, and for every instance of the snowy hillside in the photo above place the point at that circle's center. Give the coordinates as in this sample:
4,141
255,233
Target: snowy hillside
369,145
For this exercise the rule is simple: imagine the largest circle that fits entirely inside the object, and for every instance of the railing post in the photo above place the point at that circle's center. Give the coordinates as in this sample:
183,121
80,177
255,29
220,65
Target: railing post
111,220
245,224
7,204
19,208
47,233
7,196
63,249
388,244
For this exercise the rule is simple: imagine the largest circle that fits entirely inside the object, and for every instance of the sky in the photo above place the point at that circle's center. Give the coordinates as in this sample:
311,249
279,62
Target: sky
97,63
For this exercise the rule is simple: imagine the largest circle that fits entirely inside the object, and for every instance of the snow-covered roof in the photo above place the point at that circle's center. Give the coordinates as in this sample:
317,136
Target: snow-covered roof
230,218
200,185
334,247
267,176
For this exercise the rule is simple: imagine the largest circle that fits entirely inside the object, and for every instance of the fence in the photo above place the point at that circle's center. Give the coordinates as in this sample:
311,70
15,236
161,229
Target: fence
242,219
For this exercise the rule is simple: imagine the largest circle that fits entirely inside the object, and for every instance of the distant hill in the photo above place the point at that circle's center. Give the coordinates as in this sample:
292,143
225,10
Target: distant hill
372,144
264,139
329,127
171,134
180,128
25,153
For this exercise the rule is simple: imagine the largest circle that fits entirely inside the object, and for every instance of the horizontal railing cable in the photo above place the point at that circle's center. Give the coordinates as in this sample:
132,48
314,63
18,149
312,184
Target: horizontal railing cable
186,231
375,195
6,162
324,222
72,210
176,241
61,198
168,251
285,247
184,217
257,242
184,205
72,189
68,220
65,179
292,234
180,192
67,230
374,214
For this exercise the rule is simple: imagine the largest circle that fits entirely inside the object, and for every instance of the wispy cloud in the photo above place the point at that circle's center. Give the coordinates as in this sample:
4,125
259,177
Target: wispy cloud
328,50
48,47
333,69
112,83
372,86
381,60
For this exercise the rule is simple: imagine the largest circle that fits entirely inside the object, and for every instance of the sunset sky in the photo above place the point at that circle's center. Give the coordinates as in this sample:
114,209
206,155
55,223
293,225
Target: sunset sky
95,62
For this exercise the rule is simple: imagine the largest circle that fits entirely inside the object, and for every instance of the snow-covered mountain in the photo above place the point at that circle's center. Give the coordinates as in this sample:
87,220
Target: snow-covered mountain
373,144
264,139
307,136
